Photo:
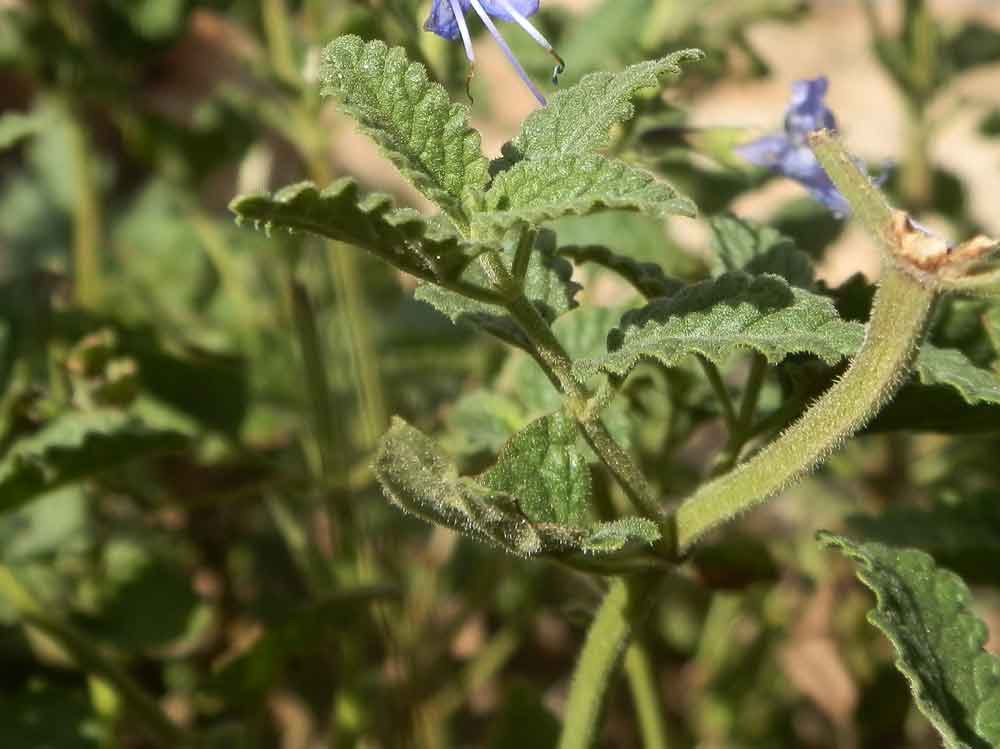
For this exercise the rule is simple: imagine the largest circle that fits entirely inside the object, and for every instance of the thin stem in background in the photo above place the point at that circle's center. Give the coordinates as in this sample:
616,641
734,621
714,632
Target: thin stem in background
721,391
332,458
86,218
647,697
279,41
742,429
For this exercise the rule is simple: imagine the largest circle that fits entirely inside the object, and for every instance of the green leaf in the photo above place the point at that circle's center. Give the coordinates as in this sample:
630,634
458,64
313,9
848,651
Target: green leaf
411,118
951,367
547,285
482,421
926,612
647,278
605,538
549,514
743,245
975,44
989,125
578,119
76,446
401,237
418,478
16,126
719,317
963,536
575,185
542,468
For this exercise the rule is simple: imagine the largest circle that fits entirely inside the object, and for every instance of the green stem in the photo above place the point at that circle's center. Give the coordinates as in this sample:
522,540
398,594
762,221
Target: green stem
721,392
626,604
88,657
86,219
552,357
899,315
742,429
646,695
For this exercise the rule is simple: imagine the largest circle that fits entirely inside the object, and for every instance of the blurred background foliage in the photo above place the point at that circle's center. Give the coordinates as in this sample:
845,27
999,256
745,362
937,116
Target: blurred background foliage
192,547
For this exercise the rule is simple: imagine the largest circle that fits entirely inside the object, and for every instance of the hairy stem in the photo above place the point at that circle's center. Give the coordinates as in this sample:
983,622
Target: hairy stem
899,316
625,605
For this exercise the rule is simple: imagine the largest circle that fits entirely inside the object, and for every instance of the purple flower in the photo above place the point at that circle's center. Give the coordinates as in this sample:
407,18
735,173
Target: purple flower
447,20
789,154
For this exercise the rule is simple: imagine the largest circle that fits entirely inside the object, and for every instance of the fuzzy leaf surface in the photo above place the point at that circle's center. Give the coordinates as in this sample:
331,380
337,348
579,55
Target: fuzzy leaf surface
743,245
575,185
548,515
548,286
541,466
418,478
77,446
578,119
716,318
648,279
950,367
605,538
926,612
400,236
411,118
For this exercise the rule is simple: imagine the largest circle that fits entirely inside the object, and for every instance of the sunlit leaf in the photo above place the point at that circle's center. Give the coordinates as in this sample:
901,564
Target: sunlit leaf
574,185
719,317
400,236
410,117
578,119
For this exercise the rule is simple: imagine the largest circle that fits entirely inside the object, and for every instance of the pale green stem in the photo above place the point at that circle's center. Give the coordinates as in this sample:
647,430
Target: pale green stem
647,697
86,219
625,605
89,658
899,315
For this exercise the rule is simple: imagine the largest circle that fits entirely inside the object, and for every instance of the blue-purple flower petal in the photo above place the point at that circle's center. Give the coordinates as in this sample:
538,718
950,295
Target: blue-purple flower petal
767,152
789,154
497,9
806,111
442,21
